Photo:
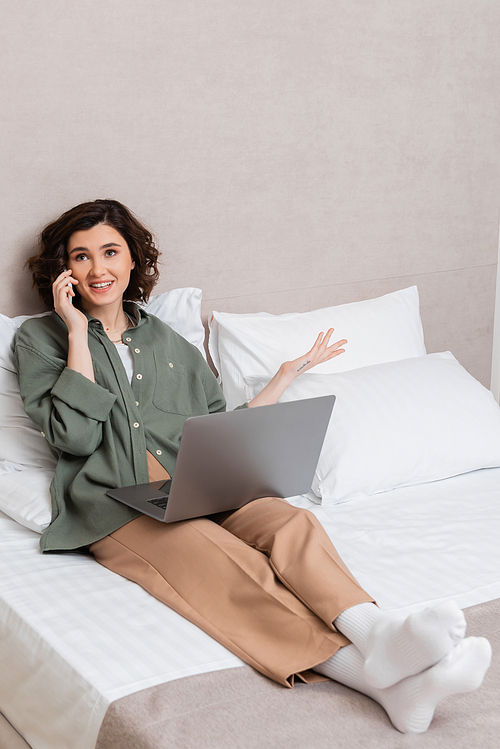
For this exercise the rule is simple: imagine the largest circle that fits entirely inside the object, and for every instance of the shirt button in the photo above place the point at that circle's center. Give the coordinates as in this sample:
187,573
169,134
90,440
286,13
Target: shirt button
139,377
43,434
158,452
137,350
137,403
128,339
136,424
170,365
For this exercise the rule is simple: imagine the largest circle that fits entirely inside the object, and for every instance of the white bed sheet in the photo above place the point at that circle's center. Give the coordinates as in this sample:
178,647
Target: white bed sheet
74,636
422,544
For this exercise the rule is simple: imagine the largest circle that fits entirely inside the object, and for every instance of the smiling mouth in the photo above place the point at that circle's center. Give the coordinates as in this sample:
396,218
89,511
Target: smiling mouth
102,286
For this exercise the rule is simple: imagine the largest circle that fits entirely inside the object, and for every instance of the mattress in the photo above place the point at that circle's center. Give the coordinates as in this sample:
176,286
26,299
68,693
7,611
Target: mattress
75,638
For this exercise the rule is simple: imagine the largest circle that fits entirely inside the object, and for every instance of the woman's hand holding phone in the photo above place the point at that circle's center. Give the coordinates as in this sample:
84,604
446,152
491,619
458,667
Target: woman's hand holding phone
79,357
62,290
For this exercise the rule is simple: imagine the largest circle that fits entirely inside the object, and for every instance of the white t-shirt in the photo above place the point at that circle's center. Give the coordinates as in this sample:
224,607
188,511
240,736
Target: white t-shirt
127,359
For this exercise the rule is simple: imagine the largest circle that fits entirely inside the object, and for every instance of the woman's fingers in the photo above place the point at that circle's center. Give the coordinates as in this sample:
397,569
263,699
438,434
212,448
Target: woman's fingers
61,280
62,290
322,340
63,286
335,346
325,350
328,335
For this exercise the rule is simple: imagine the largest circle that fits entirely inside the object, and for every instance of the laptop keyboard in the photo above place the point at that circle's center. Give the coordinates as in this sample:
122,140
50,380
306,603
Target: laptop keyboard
159,502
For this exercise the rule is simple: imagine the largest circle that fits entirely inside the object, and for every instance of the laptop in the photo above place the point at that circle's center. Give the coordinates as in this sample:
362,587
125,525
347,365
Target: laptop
228,459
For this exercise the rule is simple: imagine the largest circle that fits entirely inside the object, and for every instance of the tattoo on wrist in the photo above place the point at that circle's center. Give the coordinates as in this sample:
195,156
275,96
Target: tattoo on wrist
304,365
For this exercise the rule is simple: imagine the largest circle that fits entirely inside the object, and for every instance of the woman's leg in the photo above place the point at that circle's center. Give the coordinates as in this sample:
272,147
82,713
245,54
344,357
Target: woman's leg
300,554
304,559
225,587
229,589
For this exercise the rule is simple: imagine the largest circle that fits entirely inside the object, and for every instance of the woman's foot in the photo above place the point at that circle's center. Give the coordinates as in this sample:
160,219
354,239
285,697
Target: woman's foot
395,647
410,704
399,648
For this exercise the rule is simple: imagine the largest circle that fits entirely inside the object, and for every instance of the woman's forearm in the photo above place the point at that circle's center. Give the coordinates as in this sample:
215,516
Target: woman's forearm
79,357
275,388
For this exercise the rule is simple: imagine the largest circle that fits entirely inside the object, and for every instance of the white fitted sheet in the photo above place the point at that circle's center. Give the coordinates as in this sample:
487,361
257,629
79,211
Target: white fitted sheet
74,636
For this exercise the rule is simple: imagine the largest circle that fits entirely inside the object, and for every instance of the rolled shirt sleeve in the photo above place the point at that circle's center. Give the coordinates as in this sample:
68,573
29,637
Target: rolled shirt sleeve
66,406
80,406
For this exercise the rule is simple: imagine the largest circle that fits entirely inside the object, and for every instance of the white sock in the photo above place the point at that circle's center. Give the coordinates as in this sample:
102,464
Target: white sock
395,646
411,703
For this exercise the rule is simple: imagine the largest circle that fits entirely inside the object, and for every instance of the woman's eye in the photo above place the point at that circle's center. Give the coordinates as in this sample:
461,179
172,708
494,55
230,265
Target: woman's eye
81,256
110,253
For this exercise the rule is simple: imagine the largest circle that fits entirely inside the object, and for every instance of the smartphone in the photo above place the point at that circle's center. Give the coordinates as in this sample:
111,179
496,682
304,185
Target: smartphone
71,287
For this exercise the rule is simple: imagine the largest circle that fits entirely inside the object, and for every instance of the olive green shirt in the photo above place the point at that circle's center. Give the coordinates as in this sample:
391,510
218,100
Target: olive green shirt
100,432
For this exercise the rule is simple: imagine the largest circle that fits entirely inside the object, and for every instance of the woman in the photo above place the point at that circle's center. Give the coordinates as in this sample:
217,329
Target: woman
110,387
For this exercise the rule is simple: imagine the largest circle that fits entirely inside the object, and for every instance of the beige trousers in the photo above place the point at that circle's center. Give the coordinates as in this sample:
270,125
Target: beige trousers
267,582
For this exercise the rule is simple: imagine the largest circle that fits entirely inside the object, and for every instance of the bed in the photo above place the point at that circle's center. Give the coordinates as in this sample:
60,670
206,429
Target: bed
407,487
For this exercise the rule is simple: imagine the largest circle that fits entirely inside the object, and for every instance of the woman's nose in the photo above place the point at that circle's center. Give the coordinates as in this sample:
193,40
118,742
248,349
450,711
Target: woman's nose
97,268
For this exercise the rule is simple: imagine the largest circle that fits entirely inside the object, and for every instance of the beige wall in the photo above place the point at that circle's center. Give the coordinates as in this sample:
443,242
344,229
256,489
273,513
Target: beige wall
287,153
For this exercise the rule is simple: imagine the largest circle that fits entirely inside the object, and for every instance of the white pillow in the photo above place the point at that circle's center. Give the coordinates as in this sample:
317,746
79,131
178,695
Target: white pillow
25,497
21,442
181,310
377,330
398,424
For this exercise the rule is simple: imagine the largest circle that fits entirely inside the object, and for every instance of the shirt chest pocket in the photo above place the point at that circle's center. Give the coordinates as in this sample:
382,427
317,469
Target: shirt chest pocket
171,392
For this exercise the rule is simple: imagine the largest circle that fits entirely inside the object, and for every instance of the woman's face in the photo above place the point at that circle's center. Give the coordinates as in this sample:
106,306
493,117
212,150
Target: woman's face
100,260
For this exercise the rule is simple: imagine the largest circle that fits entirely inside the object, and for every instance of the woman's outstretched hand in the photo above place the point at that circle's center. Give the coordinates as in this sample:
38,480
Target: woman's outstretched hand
321,352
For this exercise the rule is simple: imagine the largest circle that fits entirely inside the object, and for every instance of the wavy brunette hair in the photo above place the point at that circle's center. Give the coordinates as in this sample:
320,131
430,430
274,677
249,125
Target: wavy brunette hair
52,258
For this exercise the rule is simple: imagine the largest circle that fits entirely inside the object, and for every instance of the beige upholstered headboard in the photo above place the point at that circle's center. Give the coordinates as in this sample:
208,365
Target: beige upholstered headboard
288,155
